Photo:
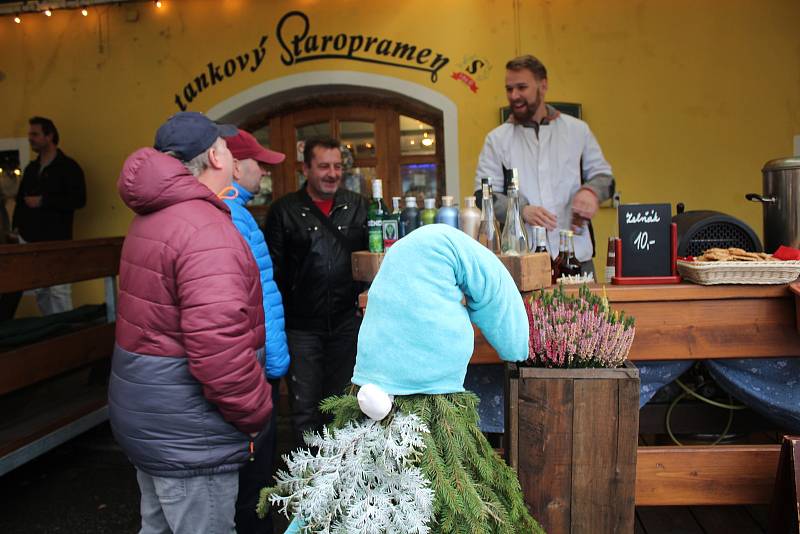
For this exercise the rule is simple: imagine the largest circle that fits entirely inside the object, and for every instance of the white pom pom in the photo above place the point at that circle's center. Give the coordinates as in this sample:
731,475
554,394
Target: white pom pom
374,402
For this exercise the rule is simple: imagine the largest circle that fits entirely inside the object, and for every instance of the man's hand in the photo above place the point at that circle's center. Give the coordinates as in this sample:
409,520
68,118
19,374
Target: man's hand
34,202
584,206
538,216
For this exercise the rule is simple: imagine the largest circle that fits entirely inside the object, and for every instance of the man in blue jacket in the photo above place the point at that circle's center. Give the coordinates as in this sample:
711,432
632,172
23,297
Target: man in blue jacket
251,161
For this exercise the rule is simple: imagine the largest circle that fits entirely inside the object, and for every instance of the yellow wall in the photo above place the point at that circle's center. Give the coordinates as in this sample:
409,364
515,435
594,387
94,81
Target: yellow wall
687,99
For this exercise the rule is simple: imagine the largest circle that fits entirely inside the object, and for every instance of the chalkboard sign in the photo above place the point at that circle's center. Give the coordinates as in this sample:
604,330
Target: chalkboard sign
644,230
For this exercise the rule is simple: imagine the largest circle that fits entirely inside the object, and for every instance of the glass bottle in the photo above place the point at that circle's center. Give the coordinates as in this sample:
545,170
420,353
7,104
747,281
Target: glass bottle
375,214
571,265
428,215
447,214
540,237
488,231
562,255
611,259
469,220
391,225
409,217
514,239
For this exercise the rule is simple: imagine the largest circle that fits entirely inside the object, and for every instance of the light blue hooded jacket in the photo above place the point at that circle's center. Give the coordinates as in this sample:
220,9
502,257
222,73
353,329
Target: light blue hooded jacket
276,347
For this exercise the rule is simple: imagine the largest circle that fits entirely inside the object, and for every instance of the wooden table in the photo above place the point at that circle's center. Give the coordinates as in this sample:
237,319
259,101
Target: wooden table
686,322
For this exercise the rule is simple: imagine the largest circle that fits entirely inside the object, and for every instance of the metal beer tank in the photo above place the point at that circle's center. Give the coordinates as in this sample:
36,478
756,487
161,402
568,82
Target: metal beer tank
780,199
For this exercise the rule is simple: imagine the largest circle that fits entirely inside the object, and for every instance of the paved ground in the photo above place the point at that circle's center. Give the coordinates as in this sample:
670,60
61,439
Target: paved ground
86,486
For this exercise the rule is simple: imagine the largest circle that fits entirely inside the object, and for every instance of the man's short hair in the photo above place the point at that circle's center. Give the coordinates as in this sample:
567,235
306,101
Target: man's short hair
528,62
200,162
48,128
323,141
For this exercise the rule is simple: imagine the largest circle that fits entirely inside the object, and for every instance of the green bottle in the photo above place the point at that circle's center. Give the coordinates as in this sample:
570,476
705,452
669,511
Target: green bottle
428,215
375,215
391,225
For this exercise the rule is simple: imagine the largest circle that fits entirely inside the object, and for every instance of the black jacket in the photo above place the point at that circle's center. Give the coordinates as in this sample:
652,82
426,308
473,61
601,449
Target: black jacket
312,265
63,190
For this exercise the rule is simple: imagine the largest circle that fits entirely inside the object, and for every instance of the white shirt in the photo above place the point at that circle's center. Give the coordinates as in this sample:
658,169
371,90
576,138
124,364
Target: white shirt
549,168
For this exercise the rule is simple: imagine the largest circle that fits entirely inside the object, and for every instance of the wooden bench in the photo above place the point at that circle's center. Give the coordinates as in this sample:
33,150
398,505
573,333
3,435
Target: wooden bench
44,402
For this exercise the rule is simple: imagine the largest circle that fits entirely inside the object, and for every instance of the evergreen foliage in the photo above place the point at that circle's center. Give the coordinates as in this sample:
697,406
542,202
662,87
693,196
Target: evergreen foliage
475,491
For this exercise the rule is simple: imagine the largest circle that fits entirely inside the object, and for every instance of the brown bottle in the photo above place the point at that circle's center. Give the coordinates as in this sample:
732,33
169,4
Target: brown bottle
571,266
559,260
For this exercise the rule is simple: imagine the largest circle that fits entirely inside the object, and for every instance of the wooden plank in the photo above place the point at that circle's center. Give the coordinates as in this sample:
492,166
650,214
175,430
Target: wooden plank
739,328
725,519
35,265
724,474
604,455
668,520
545,450
685,291
32,363
785,509
531,271
795,289
365,265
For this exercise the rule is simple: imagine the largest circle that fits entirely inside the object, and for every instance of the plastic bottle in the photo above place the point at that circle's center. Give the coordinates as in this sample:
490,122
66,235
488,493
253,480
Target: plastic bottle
409,217
470,218
447,214
428,215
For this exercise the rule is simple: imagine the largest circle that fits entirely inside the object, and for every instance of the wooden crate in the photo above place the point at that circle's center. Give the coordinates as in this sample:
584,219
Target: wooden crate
572,438
531,271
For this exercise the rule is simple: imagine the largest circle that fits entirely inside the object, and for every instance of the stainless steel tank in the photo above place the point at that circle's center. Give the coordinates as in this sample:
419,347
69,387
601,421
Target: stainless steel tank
781,202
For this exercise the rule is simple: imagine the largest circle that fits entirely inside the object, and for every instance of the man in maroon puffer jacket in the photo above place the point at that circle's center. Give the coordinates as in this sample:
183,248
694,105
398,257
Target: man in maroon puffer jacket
187,383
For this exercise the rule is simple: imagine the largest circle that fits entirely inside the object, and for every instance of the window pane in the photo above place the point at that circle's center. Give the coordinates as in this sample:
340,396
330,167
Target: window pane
308,131
359,137
416,137
419,179
359,180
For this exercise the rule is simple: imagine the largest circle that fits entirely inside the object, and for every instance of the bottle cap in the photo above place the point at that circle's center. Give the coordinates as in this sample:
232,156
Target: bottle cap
469,202
377,188
430,203
411,202
447,201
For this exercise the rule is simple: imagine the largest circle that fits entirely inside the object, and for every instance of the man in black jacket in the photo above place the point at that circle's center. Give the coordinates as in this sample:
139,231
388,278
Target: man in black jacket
311,234
52,188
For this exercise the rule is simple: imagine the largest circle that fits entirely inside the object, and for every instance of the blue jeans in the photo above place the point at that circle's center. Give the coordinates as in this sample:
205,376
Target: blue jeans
188,505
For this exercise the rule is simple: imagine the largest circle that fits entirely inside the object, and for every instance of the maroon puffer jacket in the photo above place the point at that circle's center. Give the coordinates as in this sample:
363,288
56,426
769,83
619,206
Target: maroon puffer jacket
186,380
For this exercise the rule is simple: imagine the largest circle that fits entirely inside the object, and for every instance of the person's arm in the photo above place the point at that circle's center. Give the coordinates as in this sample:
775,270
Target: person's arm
216,300
596,169
275,236
490,165
73,196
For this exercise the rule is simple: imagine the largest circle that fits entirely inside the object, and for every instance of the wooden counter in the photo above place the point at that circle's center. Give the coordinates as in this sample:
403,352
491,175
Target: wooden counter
688,321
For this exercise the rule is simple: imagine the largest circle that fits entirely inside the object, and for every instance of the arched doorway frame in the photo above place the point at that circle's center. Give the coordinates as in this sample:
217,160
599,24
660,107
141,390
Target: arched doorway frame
241,105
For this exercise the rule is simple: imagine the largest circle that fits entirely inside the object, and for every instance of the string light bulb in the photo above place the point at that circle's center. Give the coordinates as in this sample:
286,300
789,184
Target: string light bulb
18,20
85,12
48,12
159,4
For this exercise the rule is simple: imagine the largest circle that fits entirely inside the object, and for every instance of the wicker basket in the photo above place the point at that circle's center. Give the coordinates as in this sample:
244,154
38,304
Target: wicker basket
739,272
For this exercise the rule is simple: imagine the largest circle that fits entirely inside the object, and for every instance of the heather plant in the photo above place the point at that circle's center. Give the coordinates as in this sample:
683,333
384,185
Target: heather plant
577,331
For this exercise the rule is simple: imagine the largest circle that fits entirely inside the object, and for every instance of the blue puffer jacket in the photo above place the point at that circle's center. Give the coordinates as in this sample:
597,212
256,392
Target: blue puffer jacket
277,349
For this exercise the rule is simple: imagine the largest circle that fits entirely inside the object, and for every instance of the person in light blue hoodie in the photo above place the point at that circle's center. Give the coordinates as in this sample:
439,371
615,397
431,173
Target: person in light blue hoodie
250,165
414,346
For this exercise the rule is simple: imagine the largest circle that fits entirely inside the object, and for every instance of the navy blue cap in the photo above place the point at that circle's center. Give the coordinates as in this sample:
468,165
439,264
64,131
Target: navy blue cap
188,134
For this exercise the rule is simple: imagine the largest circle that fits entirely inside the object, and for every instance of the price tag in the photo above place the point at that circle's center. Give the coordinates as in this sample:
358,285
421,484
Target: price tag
645,233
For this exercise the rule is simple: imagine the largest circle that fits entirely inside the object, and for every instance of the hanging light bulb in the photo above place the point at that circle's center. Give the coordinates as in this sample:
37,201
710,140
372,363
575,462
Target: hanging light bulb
18,20
48,12
159,4
85,12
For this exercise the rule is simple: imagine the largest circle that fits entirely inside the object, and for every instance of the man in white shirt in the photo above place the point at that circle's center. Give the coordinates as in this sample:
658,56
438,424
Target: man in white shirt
562,172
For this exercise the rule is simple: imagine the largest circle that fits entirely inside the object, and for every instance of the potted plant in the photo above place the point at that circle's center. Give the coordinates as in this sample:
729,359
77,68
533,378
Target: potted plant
573,414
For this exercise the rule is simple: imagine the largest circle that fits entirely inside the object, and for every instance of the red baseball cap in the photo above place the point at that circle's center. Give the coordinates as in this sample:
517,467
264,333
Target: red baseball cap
244,146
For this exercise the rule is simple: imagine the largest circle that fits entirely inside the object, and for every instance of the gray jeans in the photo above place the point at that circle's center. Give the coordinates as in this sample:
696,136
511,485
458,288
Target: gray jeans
191,505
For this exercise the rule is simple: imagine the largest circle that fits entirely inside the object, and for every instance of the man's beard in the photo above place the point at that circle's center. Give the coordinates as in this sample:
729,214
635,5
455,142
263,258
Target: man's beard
527,114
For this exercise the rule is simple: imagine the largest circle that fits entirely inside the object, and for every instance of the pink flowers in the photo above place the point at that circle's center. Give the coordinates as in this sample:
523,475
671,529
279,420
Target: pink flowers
582,331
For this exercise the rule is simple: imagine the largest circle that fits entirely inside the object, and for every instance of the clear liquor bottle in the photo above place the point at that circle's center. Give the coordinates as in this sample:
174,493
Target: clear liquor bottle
488,231
514,239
